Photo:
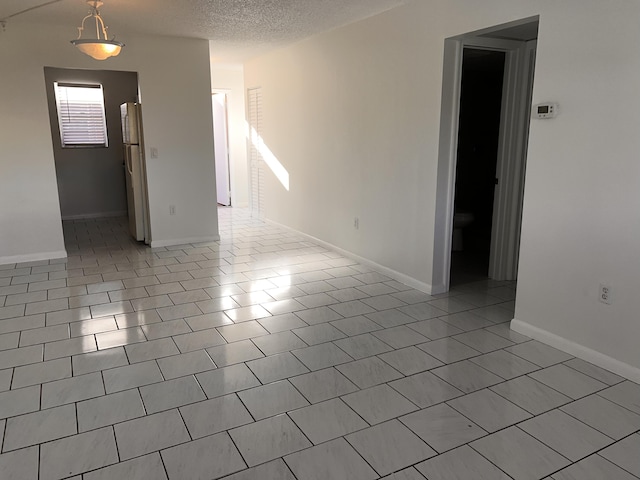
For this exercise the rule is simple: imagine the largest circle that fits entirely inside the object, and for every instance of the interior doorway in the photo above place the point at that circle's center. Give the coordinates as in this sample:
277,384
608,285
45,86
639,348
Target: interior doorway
486,102
221,148
478,140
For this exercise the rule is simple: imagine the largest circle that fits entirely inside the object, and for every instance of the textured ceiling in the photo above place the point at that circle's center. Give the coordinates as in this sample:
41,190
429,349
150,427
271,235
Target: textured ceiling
237,28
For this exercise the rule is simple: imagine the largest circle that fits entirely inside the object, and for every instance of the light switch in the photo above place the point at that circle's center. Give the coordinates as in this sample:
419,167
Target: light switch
154,152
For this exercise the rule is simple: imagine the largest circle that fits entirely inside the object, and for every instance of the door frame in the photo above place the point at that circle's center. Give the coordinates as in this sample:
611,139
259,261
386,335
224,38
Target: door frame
225,92
510,168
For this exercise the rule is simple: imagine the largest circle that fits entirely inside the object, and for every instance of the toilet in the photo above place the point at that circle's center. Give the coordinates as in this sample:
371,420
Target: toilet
460,221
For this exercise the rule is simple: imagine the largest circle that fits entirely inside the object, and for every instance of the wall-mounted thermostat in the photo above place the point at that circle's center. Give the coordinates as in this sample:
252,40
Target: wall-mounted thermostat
545,110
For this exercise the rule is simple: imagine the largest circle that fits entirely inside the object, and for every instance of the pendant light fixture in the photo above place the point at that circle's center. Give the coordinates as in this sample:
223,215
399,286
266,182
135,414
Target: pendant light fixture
99,47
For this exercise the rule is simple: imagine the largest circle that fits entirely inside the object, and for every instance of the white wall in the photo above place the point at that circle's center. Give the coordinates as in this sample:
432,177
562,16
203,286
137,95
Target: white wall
175,87
353,115
230,78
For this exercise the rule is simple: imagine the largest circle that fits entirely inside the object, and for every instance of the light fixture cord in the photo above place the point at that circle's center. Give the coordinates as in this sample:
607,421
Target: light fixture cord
35,7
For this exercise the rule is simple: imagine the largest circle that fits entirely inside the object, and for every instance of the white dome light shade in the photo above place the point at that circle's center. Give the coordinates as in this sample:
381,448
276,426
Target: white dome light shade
98,49
101,47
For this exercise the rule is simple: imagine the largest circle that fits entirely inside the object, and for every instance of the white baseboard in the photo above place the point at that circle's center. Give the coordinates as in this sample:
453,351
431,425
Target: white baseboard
585,353
183,241
400,277
33,257
88,216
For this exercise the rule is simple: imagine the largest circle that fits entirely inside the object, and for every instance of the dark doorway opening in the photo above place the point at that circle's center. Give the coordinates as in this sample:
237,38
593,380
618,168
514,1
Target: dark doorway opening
478,139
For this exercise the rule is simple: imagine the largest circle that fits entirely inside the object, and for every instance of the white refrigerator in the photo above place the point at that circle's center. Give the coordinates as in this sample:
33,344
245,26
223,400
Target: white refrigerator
135,171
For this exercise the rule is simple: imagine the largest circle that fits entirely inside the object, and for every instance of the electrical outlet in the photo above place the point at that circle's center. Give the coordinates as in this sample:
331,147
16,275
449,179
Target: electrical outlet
356,223
605,294
172,209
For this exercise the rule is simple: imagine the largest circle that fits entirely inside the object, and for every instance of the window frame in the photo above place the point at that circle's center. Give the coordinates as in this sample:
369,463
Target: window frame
101,120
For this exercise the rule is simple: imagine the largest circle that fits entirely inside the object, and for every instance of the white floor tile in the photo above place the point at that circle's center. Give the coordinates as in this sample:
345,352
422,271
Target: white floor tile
442,427
72,390
147,467
171,393
336,460
626,394
323,385
539,353
483,341
189,342
448,350
223,381
322,356
389,447
605,416
21,356
276,367
519,454
77,454
38,427
321,333
400,337
353,326
131,376
434,328
242,331
593,371
275,470
278,343
533,396
466,376
568,381
362,346
379,404
20,464
37,373
625,454
148,434
462,463
151,350
20,401
282,323
96,361
185,364
410,360
109,410
327,420
593,468
233,353
368,372
203,459
214,416
425,389
489,410
505,364
268,439
272,399
566,435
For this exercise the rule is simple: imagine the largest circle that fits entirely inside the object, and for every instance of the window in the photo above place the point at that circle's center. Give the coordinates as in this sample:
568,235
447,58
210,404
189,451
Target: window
81,115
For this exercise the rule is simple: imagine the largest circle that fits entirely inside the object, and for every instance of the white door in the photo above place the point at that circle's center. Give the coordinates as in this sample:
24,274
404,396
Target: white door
128,176
221,148
134,191
256,162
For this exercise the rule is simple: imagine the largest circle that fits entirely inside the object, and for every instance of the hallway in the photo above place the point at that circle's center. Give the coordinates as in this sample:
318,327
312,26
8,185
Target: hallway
265,356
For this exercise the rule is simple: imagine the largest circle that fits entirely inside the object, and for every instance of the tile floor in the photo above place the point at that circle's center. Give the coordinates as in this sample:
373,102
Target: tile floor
264,356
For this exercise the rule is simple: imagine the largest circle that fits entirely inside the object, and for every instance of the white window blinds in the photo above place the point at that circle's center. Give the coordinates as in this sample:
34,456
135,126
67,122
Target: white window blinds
81,115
